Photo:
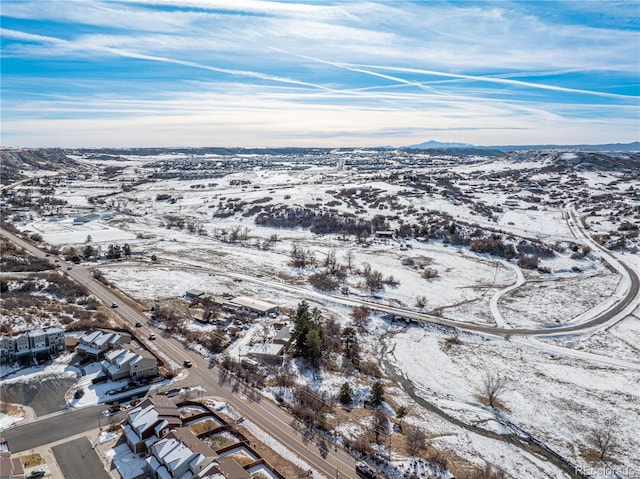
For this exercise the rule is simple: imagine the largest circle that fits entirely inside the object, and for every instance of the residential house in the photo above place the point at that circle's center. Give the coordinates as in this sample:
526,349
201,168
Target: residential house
96,343
253,305
229,469
267,352
180,454
152,419
33,344
10,467
134,364
193,294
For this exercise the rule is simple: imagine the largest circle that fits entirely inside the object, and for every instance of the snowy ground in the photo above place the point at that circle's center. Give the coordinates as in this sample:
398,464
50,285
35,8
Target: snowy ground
7,421
130,465
60,366
558,398
576,392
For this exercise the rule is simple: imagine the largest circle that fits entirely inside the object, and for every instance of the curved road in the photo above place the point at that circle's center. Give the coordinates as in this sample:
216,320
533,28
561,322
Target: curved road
108,296
266,414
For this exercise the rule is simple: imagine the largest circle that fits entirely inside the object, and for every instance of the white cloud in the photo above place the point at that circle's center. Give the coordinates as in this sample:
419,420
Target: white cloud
279,71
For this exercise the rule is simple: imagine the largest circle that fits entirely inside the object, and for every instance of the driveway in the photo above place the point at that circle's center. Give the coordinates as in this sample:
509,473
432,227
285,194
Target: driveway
79,459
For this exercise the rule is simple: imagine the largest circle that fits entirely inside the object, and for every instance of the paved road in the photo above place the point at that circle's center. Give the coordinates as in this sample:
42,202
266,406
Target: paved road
54,427
631,296
268,416
78,459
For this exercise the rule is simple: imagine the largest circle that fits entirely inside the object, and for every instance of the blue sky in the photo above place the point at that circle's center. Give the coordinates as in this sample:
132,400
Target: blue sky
92,73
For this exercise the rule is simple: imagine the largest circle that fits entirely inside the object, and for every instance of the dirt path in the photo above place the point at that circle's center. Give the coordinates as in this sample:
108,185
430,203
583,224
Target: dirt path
527,444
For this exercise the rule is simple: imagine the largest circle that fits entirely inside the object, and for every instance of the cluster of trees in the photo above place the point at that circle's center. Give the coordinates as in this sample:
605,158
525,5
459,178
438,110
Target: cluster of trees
493,245
316,338
318,222
214,341
180,222
301,256
116,251
243,370
374,280
333,274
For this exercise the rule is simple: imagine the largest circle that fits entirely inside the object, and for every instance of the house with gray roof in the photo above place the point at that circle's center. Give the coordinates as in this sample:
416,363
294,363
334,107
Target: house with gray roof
152,419
179,455
96,343
134,364
39,343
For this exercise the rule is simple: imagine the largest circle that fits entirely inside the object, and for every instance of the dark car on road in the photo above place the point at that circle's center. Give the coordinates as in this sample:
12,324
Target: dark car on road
138,325
187,363
38,473
114,305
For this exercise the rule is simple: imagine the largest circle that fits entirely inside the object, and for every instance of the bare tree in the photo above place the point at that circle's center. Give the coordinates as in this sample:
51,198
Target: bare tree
380,424
330,261
349,257
360,314
493,386
416,439
374,281
300,255
603,438
236,233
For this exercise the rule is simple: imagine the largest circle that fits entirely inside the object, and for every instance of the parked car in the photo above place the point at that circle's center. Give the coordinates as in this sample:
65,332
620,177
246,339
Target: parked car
363,470
69,268
152,337
37,473
187,363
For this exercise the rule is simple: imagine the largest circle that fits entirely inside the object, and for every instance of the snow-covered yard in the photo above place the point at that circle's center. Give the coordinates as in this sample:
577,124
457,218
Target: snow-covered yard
554,392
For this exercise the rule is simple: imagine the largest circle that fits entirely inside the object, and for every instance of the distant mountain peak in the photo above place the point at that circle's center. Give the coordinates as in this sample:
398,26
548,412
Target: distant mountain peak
435,145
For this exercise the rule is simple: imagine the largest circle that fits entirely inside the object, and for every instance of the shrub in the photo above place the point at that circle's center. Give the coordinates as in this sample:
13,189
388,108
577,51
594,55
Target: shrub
528,262
323,282
430,273
408,262
370,368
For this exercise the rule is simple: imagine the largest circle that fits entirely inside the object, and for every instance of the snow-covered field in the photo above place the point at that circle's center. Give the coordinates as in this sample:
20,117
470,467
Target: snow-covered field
558,398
